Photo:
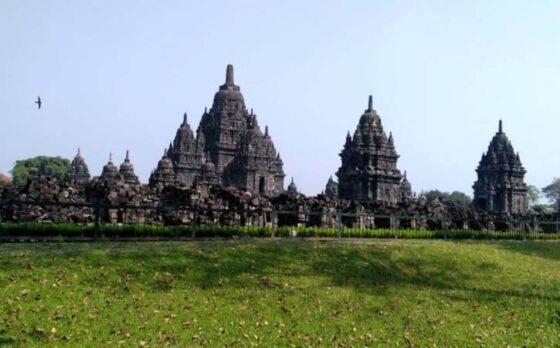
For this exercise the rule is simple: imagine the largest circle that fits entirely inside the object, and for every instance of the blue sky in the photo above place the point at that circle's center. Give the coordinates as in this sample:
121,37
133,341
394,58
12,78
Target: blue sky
118,75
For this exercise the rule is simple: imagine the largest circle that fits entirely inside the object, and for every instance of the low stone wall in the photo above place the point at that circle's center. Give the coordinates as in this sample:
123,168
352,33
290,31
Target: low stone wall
48,200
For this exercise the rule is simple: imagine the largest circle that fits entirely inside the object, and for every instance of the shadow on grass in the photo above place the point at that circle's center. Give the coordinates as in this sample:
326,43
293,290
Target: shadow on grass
546,249
374,268
262,264
6,341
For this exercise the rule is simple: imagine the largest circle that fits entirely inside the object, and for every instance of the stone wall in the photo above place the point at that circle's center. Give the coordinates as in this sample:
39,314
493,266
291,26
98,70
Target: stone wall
116,201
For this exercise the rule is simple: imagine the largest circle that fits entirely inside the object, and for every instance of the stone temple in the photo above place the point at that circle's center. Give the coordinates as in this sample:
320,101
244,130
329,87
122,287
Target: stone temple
500,187
78,171
369,163
229,148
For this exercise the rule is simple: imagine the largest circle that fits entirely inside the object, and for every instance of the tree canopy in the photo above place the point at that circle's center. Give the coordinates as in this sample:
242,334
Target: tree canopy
533,195
457,197
552,192
40,165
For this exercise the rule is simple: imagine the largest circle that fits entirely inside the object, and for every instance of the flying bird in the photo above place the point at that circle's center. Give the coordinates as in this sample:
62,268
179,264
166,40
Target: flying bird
38,102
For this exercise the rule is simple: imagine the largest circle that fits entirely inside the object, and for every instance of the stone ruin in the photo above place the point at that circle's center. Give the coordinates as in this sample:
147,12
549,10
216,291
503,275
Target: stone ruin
369,163
228,172
114,200
500,186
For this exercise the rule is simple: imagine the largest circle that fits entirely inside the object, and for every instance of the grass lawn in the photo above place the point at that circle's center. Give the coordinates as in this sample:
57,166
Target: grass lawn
415,293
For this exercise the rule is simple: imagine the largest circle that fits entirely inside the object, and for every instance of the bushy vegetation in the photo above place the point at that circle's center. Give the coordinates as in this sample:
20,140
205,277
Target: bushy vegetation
70,231
4,179
41,165
270,293
457,197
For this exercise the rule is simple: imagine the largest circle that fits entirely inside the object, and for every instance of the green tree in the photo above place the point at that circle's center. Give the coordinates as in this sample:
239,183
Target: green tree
552,192
533,195
457,197
460,198
541,208
40,165
434,194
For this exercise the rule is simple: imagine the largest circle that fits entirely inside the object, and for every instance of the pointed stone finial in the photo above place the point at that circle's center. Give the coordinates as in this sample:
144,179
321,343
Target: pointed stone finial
79,154
500,127
292,179
164,152
205,109
110,157
404,177
266,131
370,103
185,118
252,112
126,159
229,75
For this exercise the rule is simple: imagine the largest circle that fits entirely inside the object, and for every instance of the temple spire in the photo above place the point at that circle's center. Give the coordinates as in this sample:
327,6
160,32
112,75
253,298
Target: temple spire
79,154
110,157
500,127
126,159
185,118
266,131
229,75
370,103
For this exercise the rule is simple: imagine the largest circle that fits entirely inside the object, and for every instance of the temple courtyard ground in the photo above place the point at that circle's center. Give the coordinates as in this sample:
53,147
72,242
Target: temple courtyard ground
266,292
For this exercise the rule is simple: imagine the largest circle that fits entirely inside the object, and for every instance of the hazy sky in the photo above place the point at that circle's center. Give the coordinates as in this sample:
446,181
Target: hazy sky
118,75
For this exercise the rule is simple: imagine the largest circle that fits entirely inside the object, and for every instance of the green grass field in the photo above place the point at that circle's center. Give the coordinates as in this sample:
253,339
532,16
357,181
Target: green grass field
262,292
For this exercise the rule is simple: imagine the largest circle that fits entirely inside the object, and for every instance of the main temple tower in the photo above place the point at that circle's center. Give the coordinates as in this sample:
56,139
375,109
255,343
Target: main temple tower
230,144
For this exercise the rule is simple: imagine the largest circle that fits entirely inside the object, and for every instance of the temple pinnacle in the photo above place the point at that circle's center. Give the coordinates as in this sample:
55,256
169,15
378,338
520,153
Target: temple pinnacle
185,118
110,157
126,159
266,131
500,127
370,103
229,75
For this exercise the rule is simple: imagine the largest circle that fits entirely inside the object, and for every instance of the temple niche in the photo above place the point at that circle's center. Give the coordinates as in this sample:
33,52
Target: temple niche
229,148
369,163
499,186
